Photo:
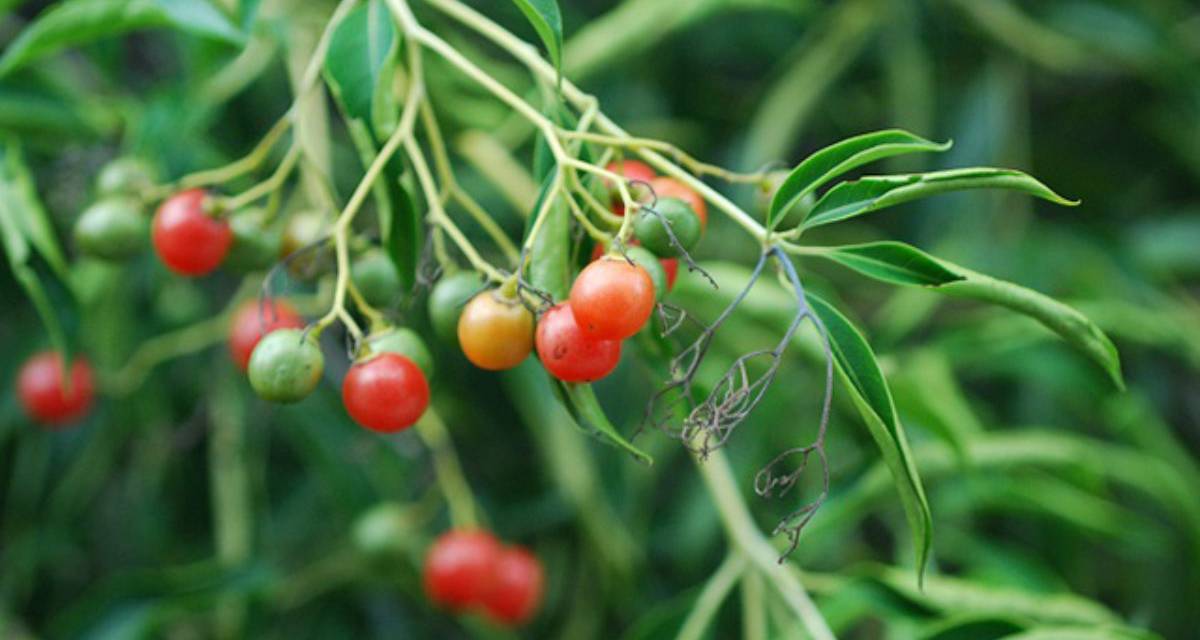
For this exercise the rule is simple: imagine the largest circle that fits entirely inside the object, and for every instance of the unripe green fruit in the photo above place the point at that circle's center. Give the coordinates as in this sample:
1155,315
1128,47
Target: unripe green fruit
112,229
653,267
286,366
405,342
385,529
447,300
652,233
376,278
256,245
125,176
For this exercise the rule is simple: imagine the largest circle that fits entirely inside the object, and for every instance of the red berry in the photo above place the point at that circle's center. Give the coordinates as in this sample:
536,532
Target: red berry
516,588
459,568
667,187
253,320
612,299
671,266
188,240
45,394
385,393
569,355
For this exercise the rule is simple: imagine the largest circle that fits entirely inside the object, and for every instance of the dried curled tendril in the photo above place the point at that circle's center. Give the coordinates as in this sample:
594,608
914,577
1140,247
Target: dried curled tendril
706,426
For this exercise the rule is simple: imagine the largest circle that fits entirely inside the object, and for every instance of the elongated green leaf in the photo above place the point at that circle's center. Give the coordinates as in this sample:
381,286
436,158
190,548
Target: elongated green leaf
838,158
894,262
546,19
550,255
78,22
586,409
860,370
872,193
359,51
890,260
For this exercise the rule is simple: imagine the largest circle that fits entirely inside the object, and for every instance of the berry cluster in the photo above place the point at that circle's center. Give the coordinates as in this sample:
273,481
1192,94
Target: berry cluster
470,570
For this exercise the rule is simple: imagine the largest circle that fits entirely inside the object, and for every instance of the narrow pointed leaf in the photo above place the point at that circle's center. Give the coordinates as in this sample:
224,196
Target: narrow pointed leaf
860,371
838,158
898,263
872,193
550,256
546,19
359,51
585,408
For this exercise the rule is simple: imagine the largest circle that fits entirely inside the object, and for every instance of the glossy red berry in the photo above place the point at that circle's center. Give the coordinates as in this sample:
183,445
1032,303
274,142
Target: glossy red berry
516,587
459,568
569,355
253,320
187,239
632,170
385,393
671,266
45,393
612,299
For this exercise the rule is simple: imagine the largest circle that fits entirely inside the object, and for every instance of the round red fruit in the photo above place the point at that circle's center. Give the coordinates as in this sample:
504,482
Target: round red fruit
631,170
671,266
187,239
459,568
569,355
386,393
612,299
253,320
666,187
45,393
516,589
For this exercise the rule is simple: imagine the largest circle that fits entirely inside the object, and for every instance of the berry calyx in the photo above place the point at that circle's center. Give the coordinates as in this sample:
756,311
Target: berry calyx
495,332
612,299
253,320
650,227
385,393
459,567
187,239
286,366
48,396
516,587
568,354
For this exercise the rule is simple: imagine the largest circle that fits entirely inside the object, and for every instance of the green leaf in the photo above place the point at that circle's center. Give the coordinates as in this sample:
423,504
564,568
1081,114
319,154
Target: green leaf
546,19
359,51
33,251
550,255
869,390
889,259
838,158
586,409
78,22
872,193
894,262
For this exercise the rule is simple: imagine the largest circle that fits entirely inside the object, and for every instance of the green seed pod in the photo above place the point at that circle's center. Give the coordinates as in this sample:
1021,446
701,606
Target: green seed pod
112,229
125,176
652,233
256,245
376,279
650,263
405,342
447,300
286,366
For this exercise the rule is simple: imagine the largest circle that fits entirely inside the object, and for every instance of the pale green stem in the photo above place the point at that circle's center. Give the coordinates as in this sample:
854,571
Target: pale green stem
459,499
712,597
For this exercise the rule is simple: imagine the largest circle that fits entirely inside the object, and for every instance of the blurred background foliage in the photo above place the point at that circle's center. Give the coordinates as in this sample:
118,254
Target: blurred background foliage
189,509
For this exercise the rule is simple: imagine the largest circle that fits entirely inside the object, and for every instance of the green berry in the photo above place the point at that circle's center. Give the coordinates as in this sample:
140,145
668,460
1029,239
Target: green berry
286,366
651,264
112,229
256,244
405,342
447,300
652,233
383,530
376,279
125,176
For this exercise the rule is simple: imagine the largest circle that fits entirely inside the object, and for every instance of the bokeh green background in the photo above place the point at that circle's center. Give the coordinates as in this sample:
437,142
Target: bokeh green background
1056,499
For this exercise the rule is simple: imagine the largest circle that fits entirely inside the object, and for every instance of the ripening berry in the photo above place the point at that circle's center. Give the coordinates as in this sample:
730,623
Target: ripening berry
253,320
612,299
189,240
385,393
650,227
286,366
569,355
45,393
668,187
495,333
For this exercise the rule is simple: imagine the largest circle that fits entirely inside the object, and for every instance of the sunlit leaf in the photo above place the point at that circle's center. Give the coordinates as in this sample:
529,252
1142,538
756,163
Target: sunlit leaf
546,19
